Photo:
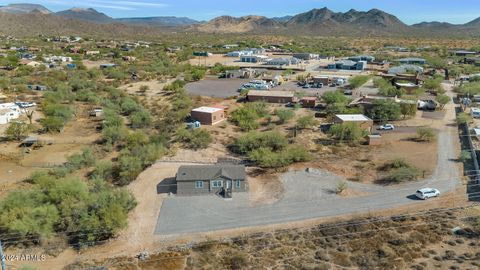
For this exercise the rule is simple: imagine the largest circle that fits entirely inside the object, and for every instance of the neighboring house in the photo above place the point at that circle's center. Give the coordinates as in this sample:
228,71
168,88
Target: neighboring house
364,122
412,61
220,179
270,96
325,80
306,56
348,65
308,102
257,58
366,58
369,101
208,115
238,53
407,68
283,61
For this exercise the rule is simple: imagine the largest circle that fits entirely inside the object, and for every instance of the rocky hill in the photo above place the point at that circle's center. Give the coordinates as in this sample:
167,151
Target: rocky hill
88,14
159,21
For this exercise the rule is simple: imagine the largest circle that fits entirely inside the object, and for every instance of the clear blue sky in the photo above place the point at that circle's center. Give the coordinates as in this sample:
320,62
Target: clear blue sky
409,11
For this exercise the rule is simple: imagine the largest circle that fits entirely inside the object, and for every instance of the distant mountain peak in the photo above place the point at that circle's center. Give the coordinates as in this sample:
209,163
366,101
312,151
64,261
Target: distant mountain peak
85,14
24,8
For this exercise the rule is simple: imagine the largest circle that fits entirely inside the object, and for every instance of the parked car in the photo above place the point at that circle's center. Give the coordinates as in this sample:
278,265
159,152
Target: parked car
427,193
348,92
386,127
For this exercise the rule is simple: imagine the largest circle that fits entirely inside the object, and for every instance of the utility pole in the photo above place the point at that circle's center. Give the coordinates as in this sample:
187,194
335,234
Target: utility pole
2,257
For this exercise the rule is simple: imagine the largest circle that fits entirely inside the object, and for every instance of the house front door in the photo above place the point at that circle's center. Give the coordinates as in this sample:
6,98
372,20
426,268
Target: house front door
228,189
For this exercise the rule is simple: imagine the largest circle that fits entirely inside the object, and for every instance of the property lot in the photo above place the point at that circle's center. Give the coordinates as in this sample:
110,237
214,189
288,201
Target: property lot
307,196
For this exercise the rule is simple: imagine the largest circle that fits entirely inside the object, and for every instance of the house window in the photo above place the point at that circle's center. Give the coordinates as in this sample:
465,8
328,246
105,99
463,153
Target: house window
238,184
198,184
217,184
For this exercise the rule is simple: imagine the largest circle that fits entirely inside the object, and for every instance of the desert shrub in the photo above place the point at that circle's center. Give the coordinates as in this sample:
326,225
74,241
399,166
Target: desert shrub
465,156
271,140
463,118
16,131
246,116
128,106
284,115
349,132
425,134
103,170
341,187
81,160
67,204
307,121
266,158
399,171
195,138
141,119
52,124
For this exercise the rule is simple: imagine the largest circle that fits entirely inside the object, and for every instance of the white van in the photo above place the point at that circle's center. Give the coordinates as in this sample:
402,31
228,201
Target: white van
475,112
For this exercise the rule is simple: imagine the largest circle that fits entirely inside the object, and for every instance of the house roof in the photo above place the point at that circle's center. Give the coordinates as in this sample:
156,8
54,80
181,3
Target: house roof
353,117
207,109
209,172
412,59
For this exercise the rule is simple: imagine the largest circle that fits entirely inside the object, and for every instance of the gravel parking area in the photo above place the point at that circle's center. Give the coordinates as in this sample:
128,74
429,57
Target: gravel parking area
211,87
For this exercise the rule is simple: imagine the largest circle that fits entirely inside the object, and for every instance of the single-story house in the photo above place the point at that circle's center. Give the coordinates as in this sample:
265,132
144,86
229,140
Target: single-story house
306,56
208,115
254,58
283,61
325,80
270,96
412,61
348,65
363,121
203,54
358,58
221,179
403,69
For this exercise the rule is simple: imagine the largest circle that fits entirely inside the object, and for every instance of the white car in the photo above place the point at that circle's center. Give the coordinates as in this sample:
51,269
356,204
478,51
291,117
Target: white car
386,127
427,193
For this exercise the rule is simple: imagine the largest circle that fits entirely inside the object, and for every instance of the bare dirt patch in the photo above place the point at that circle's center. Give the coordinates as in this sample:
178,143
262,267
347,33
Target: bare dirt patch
264,188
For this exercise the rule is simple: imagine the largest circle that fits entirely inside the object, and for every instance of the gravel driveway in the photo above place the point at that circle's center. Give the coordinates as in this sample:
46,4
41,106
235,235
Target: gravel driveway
308,195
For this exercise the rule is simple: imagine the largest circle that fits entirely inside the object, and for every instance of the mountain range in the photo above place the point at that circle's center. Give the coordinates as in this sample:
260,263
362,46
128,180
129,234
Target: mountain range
314,22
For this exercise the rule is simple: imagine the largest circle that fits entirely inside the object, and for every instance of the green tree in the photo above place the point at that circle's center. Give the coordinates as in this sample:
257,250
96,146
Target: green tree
384,110
442,100
350,132
334,97
195,139
358,81
408,110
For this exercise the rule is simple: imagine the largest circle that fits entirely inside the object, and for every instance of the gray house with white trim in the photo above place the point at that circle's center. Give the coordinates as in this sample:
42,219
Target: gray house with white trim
219,179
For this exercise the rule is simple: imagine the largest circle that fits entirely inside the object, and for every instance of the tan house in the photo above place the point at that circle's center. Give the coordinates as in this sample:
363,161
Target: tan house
364,122
208,115
270,96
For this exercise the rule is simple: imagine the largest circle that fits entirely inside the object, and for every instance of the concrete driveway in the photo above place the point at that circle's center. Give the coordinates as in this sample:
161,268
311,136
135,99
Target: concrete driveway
308,195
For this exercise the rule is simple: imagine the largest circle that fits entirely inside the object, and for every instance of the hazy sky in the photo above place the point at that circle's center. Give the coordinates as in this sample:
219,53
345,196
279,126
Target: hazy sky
409,11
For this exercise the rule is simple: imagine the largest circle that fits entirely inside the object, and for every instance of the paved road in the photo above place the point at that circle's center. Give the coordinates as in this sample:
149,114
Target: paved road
307,196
